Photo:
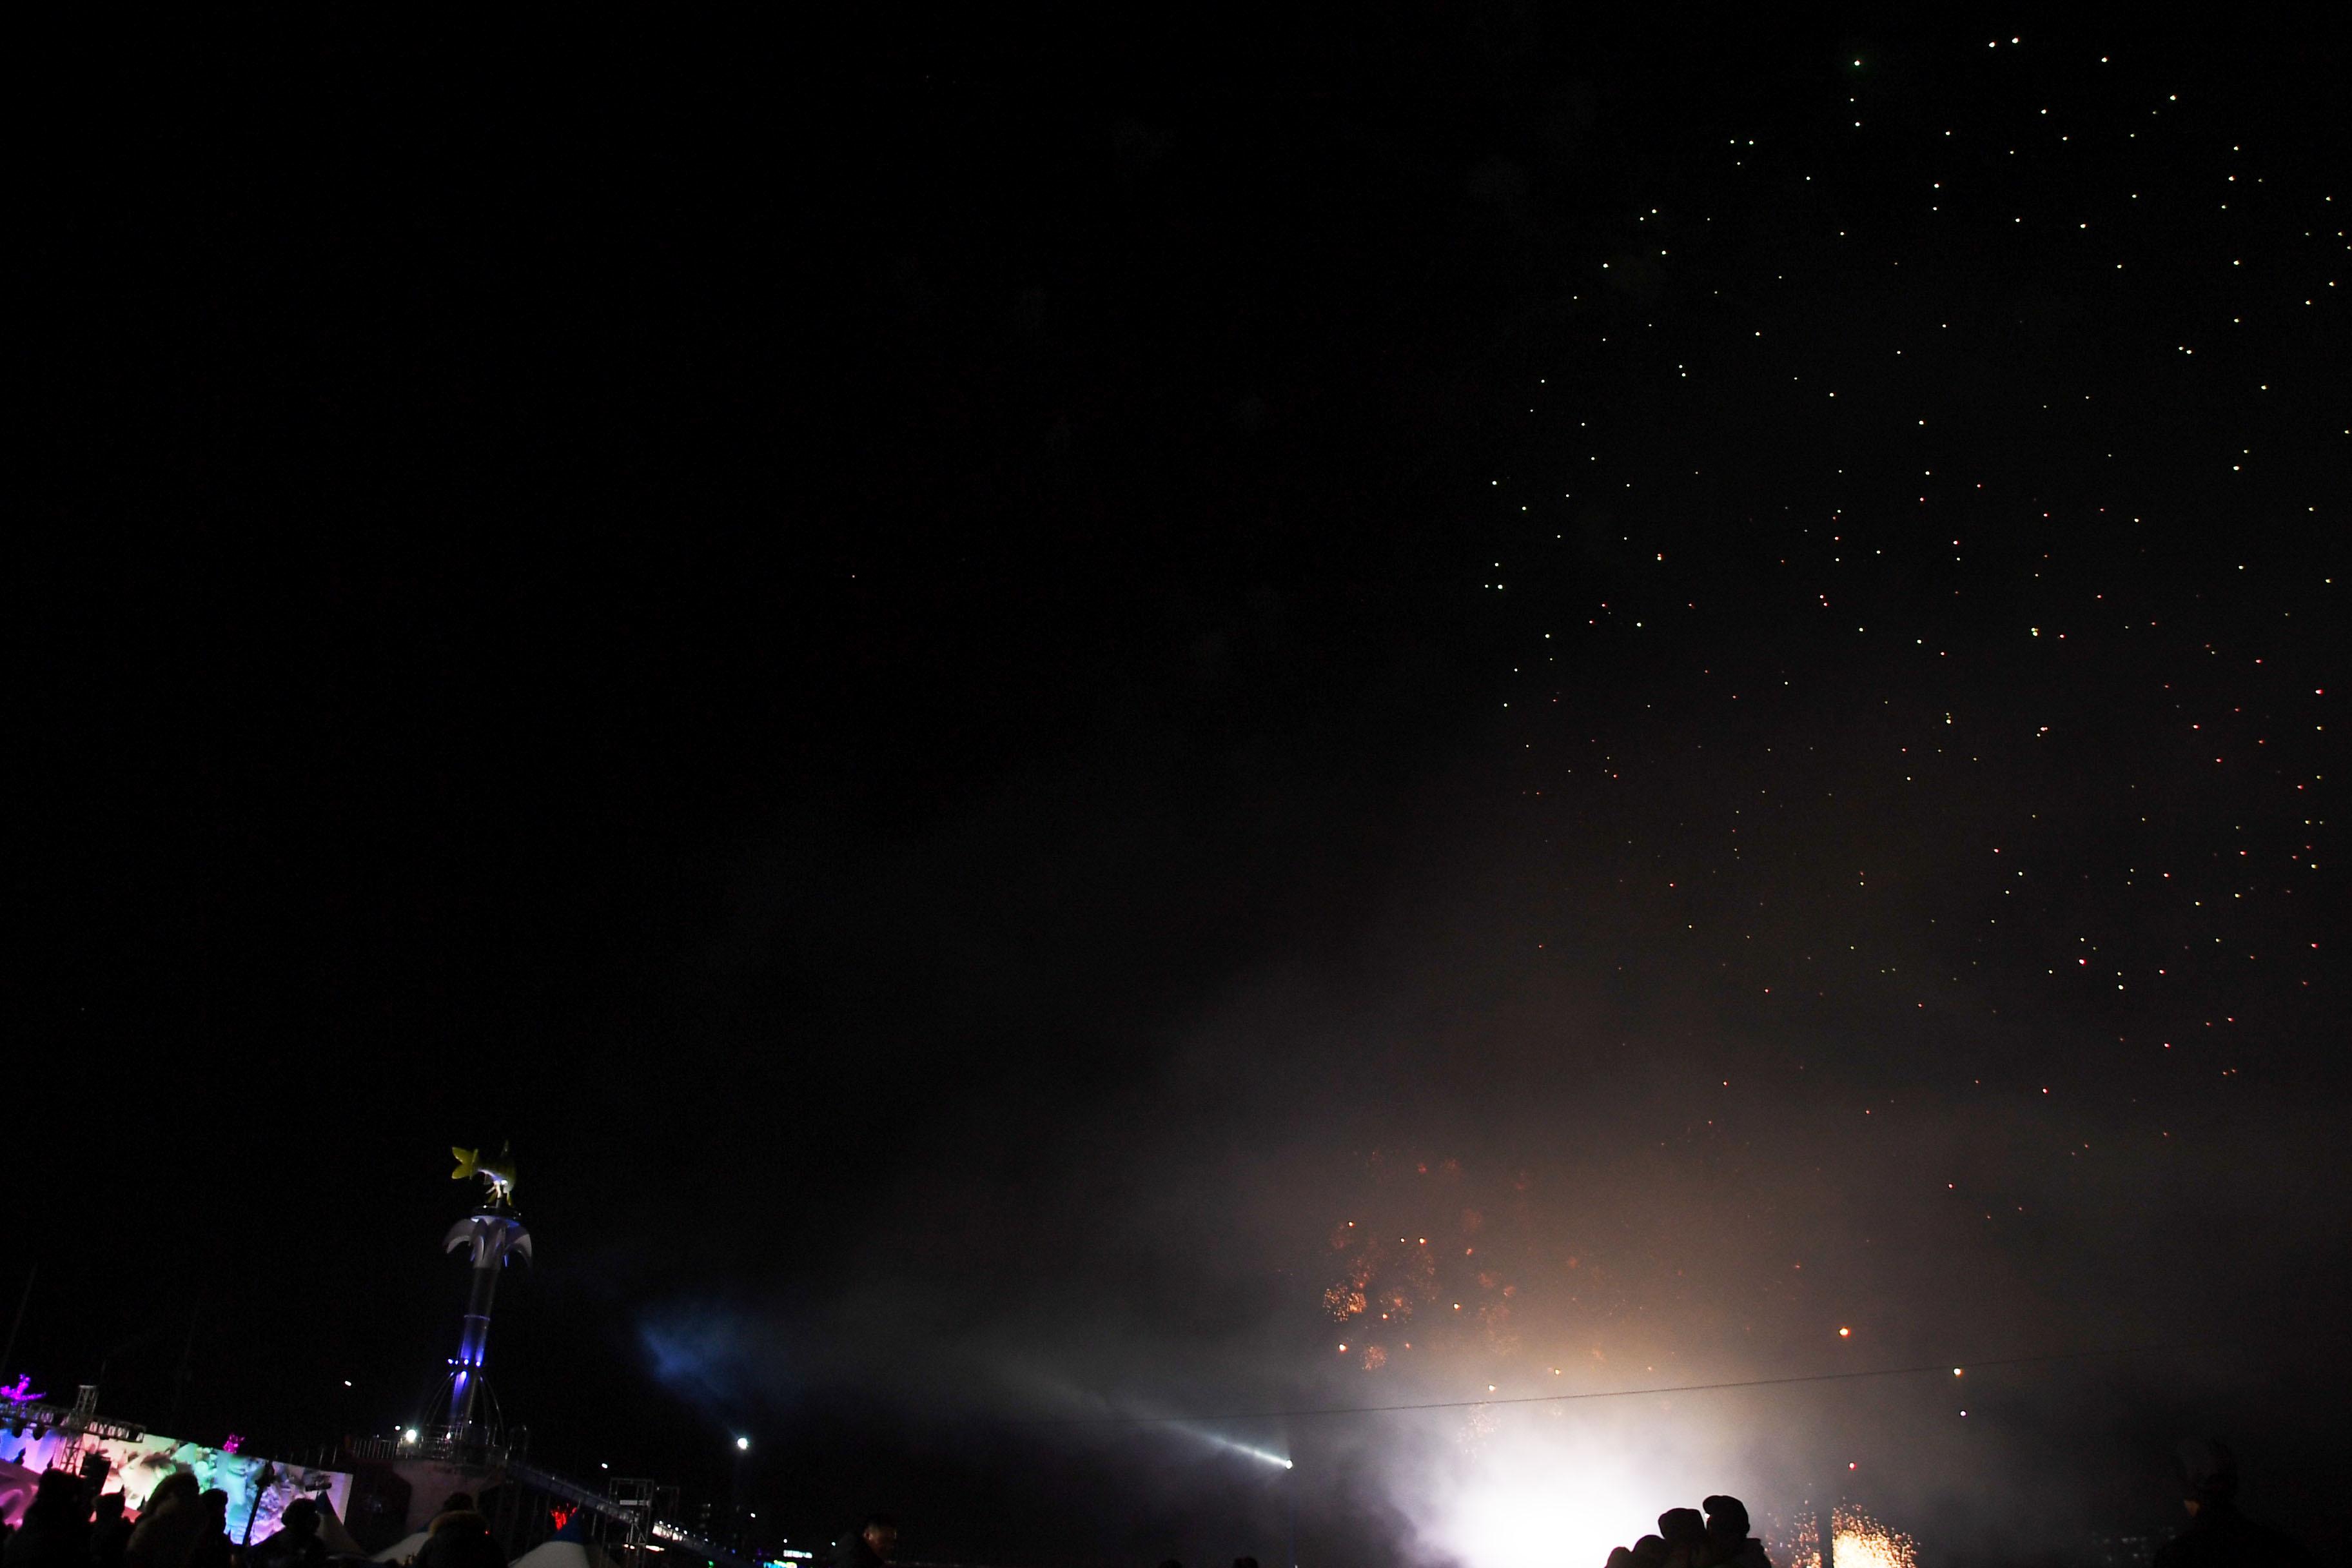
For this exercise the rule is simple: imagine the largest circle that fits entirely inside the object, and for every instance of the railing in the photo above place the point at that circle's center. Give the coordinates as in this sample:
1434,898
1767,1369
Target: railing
633,1515
442,1450
59,1417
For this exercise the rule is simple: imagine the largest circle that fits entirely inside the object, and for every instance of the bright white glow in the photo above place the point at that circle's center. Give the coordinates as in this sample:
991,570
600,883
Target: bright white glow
1531,1489
1523,1523
742,1442
409,1436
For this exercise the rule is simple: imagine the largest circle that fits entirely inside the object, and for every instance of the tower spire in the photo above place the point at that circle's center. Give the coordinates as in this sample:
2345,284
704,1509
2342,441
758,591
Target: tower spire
492,1235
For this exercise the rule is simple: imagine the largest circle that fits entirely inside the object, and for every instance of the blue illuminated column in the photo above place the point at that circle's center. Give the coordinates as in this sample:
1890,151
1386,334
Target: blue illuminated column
494,1235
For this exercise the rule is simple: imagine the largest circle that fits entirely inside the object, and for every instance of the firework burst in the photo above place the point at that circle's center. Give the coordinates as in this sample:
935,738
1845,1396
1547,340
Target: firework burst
1859,1540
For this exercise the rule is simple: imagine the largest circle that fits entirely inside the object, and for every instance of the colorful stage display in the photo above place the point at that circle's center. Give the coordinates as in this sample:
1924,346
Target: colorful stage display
257,1488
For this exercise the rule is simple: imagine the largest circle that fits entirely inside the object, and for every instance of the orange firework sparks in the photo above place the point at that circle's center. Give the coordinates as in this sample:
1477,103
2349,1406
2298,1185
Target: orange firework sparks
1859,1540
1388,1279
1391,1265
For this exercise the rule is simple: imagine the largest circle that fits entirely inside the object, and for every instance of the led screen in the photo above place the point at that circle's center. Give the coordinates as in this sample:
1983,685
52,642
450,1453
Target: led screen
137,1464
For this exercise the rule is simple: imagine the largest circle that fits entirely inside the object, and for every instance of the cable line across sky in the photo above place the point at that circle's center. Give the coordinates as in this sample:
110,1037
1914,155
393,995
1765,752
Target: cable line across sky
1951,1368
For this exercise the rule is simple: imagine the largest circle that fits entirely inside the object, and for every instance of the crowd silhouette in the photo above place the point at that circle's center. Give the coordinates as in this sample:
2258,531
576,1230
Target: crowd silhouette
1689,1539
182,1525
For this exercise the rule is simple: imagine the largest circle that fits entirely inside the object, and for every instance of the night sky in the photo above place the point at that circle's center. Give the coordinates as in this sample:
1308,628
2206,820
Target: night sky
1051,714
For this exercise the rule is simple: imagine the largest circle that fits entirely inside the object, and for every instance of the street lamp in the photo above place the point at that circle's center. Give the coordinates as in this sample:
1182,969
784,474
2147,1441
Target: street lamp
743,1444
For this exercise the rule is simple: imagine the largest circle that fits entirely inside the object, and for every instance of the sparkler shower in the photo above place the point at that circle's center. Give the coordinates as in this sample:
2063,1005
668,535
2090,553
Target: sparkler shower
1387,793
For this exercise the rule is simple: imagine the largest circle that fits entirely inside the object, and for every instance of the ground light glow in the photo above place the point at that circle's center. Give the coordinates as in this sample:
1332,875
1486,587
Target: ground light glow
1520,1490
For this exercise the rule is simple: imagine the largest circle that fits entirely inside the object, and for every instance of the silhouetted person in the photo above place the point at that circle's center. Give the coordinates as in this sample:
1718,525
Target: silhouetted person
1650,1551
295,1542
1619,1557
1684,1530
871,1546
211,1548
55,1530
460,1538
110,1532
1728,1544
2218,1535
168,1525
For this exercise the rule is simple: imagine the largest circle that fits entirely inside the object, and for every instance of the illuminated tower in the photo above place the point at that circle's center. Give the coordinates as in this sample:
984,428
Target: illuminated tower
494,1237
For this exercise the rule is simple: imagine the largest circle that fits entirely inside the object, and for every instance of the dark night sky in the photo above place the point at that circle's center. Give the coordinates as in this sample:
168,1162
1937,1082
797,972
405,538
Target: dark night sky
982,681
